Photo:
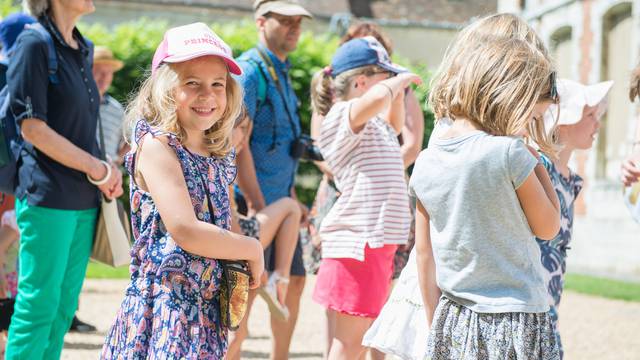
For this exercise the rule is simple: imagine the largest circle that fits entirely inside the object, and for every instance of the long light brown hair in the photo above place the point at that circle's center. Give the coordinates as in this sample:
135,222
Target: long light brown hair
507,26
496,83
155,102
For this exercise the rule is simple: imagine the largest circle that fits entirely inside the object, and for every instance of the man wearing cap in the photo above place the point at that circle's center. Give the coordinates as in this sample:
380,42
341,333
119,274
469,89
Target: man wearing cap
111,111
266,173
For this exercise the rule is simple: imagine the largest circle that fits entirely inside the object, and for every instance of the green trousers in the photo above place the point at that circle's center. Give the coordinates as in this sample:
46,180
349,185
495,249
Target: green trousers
54,250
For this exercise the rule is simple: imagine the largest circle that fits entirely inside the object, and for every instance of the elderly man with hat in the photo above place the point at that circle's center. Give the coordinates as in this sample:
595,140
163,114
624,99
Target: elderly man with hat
267,168
111,111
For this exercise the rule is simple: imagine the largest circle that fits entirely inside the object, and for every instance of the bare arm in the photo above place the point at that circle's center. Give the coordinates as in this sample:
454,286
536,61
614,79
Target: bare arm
412,131
426,264
57,147
316,122
377,99
248,180
396,113
540,203
162,175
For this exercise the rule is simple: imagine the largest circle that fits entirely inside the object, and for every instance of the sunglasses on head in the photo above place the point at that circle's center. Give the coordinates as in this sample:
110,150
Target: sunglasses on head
554,87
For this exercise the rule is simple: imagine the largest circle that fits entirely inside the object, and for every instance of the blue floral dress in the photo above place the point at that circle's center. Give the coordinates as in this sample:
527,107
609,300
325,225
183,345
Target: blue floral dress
554,252
171,308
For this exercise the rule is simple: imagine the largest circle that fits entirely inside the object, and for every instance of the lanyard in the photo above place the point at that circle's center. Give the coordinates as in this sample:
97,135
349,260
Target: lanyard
274,75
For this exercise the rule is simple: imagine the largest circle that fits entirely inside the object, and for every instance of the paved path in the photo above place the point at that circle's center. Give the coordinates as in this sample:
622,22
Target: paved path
592,328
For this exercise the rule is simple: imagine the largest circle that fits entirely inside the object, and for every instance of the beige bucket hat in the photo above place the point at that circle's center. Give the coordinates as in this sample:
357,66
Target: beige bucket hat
282,7
102,55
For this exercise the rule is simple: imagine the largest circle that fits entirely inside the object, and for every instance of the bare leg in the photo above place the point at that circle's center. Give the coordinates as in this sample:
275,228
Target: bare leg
375,354
347,343
283,330
237,337
331,331
3,343
280,222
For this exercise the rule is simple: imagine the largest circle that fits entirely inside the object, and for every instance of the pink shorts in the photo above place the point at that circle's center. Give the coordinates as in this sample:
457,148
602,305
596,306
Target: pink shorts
355,287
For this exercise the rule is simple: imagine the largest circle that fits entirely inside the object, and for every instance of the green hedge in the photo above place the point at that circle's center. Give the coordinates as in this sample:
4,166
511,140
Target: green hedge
135,42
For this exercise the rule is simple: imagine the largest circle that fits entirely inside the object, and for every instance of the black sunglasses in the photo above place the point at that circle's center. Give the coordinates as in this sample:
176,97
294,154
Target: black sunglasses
554,87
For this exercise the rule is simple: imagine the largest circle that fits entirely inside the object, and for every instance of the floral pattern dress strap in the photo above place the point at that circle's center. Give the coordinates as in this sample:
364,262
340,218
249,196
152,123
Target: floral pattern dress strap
171,307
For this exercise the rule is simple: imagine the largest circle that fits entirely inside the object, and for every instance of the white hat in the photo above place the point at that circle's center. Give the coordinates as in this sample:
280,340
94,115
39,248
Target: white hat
573,98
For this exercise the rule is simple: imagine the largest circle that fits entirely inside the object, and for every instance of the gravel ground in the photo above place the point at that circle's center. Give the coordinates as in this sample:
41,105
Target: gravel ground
592,328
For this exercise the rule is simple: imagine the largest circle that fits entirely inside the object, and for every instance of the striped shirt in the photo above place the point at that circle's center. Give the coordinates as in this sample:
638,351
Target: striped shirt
373,207
112,117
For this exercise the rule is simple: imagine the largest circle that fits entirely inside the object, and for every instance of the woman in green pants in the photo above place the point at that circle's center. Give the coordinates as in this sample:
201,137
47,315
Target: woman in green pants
59,179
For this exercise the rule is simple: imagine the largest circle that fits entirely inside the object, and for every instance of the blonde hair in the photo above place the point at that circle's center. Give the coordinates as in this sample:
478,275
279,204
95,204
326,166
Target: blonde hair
156,104
634,86
507,25
36,8
496,83
488,29
325,89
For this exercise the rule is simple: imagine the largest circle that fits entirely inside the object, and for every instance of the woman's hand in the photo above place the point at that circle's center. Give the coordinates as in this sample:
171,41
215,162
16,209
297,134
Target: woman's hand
113,187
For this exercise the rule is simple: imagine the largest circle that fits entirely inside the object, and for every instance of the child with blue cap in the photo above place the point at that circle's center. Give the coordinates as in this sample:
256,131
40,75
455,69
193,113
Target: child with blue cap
361,96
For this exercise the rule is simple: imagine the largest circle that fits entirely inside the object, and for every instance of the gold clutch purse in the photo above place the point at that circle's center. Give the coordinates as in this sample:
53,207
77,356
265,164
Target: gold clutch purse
234,292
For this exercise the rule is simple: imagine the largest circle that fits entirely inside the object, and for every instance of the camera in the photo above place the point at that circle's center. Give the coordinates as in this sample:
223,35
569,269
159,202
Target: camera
304,148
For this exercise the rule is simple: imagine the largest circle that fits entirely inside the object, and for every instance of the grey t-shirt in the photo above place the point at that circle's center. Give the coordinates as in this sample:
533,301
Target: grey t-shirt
486,256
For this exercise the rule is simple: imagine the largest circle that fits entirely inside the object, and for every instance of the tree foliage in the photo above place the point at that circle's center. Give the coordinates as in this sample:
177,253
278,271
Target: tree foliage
135,42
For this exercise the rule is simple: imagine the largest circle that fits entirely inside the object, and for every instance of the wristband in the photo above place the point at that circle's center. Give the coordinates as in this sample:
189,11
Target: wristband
388,88
105,178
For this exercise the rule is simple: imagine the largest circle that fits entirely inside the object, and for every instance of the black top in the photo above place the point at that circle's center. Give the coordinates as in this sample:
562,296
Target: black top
70,108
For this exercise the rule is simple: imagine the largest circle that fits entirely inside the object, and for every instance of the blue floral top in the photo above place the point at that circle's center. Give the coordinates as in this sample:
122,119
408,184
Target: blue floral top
171,308
554,252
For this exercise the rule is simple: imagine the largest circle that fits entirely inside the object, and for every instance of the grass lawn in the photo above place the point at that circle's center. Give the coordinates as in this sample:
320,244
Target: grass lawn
613,289
590,285
100,271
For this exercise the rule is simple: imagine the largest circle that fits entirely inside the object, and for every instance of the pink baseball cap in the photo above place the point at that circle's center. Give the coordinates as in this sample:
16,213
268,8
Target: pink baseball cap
191,41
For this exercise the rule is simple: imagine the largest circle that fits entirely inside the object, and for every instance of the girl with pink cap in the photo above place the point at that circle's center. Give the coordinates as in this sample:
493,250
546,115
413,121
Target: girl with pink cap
181,166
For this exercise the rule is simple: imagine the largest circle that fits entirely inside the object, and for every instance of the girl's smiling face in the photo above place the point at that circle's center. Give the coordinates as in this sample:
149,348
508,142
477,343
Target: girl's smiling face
201,94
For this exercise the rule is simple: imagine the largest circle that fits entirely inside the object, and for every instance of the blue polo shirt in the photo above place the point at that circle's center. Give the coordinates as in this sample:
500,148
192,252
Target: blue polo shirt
70,108
275,168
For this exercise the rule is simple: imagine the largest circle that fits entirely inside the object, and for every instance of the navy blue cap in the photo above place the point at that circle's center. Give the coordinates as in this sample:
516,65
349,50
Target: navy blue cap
361,52
10,27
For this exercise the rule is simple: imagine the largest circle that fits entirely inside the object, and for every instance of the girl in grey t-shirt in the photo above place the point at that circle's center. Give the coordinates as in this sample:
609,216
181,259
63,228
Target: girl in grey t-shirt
482,198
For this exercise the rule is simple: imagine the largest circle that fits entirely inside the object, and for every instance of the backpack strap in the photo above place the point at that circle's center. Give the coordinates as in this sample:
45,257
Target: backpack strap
262,80
90,54
52,59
